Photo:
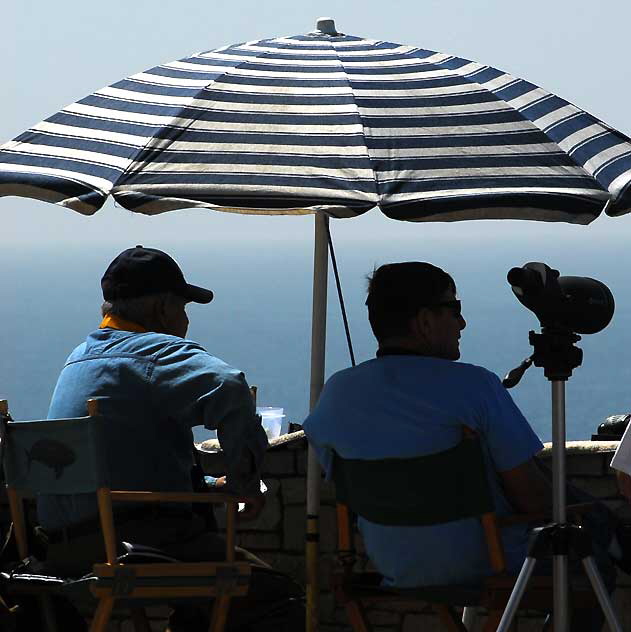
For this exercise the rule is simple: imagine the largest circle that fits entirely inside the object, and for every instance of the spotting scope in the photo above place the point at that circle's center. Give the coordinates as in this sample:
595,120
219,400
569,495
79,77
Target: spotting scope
572,303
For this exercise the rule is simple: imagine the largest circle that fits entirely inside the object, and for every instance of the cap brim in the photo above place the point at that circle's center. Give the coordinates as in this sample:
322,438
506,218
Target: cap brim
198,294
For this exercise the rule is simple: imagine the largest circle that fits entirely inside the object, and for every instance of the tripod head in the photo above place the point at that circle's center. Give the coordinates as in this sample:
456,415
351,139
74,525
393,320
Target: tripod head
556,352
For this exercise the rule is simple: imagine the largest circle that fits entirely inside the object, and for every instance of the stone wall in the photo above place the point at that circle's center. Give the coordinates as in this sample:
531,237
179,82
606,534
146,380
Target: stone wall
278,534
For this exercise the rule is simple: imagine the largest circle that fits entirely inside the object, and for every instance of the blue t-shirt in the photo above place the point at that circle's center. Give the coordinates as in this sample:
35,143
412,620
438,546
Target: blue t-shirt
157,387
406,406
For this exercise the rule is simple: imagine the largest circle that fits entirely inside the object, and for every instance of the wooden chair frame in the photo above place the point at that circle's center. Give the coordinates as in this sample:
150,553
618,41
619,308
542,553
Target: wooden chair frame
132,583
355,589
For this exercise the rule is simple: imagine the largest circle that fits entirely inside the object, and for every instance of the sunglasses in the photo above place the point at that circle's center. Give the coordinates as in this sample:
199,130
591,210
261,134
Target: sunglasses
455,305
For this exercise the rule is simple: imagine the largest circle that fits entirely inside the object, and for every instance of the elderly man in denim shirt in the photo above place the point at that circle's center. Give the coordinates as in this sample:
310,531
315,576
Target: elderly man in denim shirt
156,385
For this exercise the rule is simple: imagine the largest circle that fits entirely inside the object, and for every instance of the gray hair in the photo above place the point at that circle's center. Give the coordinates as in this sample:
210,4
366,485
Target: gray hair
140,309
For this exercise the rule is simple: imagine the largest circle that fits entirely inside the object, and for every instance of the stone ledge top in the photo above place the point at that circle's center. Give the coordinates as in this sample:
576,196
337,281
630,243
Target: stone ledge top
287,438
572,447
583,447
212,445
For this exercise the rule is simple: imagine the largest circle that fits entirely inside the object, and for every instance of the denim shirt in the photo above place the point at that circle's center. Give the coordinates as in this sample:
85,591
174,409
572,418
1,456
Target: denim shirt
157,388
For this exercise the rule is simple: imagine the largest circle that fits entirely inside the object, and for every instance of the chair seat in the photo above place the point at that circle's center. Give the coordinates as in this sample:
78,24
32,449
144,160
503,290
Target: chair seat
492,594
367,586
180,579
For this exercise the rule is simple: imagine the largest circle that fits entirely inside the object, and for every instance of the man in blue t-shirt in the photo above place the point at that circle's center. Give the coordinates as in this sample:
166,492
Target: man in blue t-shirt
412,400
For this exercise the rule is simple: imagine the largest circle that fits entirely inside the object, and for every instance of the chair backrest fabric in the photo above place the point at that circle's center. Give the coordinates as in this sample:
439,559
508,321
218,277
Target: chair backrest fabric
56,456
433,489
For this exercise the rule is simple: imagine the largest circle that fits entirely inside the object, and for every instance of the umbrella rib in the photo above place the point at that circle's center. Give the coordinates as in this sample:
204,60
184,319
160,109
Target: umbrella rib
359,117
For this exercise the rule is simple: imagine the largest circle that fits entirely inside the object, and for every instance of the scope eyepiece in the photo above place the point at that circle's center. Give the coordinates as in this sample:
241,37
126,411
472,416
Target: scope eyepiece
526,280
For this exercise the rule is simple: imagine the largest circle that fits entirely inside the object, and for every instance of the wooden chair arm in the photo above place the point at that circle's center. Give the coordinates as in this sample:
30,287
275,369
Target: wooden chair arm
24,494
178,497
577,509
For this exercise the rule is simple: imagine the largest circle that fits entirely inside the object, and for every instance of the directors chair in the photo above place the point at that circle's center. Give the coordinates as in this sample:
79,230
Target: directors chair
428,490
67,456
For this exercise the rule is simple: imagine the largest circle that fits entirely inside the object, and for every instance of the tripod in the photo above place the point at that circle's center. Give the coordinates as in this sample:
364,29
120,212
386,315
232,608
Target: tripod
554,350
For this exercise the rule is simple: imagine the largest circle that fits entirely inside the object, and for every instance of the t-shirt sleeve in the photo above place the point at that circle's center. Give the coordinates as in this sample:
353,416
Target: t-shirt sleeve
199,389
510,439
316,427
324,453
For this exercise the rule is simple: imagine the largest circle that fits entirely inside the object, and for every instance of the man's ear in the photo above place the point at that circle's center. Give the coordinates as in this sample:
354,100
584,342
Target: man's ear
419,324
161,315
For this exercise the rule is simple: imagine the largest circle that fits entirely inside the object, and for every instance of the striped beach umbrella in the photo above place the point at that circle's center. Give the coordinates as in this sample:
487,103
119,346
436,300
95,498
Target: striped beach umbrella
325,122
330,124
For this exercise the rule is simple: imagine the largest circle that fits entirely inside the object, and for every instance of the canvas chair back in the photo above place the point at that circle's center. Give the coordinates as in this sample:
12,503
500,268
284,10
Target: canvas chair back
61,456
424,490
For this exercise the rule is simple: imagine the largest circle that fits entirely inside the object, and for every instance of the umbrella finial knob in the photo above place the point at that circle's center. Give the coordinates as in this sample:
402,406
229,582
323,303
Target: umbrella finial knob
326,26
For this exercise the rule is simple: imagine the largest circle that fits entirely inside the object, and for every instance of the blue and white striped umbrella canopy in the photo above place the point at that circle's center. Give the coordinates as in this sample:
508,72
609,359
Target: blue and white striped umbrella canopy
326,122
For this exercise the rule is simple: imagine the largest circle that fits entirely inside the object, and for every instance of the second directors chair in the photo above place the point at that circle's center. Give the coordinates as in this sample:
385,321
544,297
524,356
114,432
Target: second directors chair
67,456
428,490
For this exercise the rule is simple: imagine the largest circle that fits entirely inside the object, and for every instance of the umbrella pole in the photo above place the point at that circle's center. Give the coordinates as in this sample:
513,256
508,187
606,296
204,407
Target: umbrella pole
318,346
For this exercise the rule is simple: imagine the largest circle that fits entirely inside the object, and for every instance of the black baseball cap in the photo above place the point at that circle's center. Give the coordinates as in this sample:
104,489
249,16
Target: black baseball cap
142,271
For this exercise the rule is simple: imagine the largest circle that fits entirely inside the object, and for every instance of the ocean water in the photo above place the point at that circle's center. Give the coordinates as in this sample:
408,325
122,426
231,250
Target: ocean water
260,318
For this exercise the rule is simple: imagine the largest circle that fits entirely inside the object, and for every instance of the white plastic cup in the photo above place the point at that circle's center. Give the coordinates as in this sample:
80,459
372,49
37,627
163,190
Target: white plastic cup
271,420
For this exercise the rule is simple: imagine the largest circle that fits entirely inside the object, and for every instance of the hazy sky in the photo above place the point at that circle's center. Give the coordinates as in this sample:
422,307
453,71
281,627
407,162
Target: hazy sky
55,53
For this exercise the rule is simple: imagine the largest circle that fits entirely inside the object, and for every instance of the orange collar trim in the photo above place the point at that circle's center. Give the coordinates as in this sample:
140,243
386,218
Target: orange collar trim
116,322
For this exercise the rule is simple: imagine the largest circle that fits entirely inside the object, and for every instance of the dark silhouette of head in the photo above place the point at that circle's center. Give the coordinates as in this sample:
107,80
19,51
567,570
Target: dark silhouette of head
397,291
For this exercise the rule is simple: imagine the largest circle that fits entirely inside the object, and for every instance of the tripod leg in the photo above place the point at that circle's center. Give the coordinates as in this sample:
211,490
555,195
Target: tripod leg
469,617
601,593
518,592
